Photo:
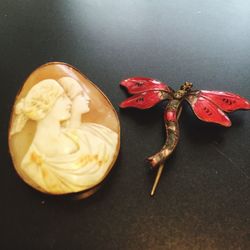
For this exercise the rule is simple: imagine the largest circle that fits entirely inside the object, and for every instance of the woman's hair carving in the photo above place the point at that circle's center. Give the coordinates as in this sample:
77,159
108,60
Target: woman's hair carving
36,104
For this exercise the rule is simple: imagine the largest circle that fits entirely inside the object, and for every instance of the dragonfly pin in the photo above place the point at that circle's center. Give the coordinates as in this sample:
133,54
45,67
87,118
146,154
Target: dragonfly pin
208,106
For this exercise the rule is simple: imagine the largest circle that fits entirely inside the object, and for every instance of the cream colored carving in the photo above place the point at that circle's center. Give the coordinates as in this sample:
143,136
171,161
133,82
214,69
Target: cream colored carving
69,158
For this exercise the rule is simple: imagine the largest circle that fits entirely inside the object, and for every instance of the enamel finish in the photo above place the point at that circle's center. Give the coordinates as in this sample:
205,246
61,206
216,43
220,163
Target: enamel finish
207,105
225,100
136,85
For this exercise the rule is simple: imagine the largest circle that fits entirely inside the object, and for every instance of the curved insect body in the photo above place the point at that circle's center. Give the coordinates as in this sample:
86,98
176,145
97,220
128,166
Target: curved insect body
171,113
209,106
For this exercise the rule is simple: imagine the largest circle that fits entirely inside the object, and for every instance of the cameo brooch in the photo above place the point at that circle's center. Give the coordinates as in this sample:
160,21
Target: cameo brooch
64,134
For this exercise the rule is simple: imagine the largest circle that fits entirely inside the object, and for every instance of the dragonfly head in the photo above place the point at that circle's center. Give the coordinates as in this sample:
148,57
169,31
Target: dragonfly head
186,86
184,89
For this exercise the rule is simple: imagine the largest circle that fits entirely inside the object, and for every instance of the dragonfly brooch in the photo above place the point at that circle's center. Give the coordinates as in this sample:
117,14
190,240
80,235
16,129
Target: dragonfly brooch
208,106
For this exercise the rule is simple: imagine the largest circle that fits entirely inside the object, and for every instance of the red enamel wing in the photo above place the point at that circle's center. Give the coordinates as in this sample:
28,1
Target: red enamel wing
147,92
209,106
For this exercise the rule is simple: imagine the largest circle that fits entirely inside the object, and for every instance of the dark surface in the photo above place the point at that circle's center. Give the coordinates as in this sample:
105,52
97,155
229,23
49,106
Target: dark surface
202,201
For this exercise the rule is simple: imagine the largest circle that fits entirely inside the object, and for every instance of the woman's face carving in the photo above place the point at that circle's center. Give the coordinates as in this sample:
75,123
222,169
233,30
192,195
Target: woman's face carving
62,108
81,103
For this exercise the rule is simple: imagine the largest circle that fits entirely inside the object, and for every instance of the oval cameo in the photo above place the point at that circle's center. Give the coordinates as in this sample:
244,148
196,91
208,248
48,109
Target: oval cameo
64,133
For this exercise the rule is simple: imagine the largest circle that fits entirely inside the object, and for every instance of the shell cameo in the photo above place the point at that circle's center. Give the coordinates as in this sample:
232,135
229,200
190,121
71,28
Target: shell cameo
64,134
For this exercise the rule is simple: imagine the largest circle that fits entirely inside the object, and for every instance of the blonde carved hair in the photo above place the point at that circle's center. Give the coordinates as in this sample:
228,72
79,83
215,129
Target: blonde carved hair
36,104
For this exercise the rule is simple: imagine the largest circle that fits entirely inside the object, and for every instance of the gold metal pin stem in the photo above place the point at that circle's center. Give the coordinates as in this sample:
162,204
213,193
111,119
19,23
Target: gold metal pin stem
157,178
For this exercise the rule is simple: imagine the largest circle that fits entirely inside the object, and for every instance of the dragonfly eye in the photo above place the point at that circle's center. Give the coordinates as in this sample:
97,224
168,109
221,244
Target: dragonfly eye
186,86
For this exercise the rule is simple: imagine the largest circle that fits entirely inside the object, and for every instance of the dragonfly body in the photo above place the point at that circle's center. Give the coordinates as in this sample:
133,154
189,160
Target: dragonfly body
208,106
171,115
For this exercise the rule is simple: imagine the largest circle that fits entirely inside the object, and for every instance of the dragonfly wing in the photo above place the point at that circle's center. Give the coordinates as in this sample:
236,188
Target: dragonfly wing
226,101
207,111
144,100
137,85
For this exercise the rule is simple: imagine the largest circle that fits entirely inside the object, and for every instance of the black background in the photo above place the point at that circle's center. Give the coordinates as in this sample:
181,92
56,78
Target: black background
202,201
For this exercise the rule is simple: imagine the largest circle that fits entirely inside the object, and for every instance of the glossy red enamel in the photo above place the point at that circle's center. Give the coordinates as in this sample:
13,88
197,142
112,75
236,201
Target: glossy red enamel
225,100
137,85
143,100
170,116
209,112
